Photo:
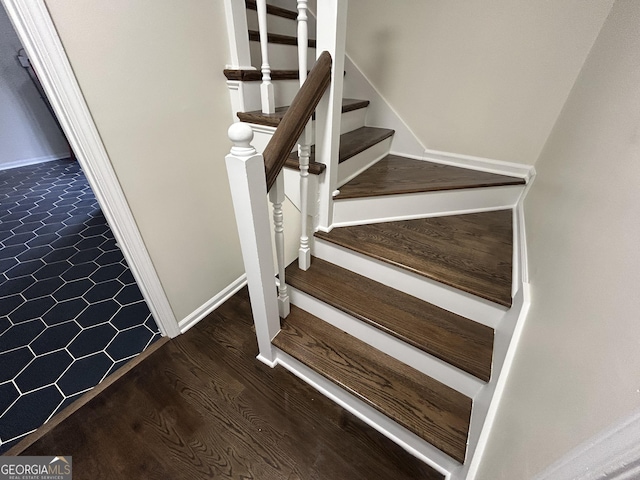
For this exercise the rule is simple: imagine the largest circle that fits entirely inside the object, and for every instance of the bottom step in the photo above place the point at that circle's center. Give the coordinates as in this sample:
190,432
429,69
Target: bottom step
431,410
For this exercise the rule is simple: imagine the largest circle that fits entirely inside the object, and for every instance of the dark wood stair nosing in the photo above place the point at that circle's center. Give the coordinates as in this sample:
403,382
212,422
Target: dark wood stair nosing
444,424
453,339
277,38
256,75
273,10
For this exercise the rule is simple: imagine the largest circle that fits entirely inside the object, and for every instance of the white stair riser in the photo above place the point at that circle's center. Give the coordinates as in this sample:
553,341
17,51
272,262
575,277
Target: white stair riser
435,368
275,24
281,57
398,434
357,164
246,98
439,294
389,208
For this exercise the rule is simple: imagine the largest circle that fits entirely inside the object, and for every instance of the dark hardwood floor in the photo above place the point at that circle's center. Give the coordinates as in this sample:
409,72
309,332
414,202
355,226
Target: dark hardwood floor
201,406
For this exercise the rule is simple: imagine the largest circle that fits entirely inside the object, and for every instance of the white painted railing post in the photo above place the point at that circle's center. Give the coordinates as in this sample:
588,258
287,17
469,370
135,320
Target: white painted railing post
276,195
245,168
331,37
304,149
266,88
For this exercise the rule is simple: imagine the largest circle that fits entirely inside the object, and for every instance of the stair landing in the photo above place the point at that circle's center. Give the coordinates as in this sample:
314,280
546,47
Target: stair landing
400,175
471,252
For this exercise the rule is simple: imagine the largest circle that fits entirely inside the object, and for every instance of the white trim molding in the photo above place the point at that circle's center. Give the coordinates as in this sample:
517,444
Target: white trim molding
613,454
34,161
40,39
210,305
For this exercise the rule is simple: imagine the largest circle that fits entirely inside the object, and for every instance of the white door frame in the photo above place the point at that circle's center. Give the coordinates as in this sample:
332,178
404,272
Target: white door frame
39,37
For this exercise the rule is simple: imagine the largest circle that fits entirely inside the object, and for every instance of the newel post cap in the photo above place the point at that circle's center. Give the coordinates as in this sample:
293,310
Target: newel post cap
241,134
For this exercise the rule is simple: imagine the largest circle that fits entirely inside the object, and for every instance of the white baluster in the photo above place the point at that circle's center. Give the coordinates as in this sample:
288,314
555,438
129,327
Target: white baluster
245,168
276,195
304,149
266,88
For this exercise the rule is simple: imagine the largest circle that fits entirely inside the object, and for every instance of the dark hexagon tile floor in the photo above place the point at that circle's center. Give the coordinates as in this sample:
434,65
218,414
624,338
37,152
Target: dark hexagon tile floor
70,310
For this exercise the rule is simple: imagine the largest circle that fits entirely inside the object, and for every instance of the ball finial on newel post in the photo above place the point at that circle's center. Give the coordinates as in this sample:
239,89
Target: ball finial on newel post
241,134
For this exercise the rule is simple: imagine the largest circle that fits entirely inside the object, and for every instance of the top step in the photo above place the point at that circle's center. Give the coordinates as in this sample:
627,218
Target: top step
274,119
399,175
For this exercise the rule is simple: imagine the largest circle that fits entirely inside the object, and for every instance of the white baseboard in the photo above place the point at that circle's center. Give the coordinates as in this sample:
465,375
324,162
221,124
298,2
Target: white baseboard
481,164
33,161
211,304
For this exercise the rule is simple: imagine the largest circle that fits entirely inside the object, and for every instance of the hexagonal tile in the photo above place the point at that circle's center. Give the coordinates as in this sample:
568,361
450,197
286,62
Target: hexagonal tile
9,226
16,285
85,373
109,245
55,338
19,238
14,216
30,412
64,311
130,342
59,254
84,256
41,240
44,370
47,229
80,271
24,268
13,362
12,251
130,315
55,219
74,289
50,270
36,252
27,227
92,339
129,294
97,313
107,272
8,394
103,291
31,310
5,324
107,258
8,304
35,218
91,242
18,335
42,288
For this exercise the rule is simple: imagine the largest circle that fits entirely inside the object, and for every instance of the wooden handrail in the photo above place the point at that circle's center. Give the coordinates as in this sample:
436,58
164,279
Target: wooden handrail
293,123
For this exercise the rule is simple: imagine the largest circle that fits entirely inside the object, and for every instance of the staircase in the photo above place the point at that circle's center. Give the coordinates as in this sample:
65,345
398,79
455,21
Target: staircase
410,308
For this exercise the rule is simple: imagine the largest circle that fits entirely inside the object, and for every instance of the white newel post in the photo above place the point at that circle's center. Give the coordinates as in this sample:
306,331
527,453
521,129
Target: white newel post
276,195
245,168
304,148
331,37
266,88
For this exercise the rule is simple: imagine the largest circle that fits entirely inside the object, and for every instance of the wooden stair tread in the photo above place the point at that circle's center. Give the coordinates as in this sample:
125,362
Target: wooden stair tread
246,75
471,252
273,10
456,340
273,119
433,411
397,175
254,36
351,144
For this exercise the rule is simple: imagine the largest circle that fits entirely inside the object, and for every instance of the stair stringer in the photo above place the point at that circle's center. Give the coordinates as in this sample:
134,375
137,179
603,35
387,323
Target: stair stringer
508,325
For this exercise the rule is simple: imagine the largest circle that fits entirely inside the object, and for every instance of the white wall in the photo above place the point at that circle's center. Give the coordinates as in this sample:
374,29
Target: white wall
151,73
577,369
476,77
28,132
